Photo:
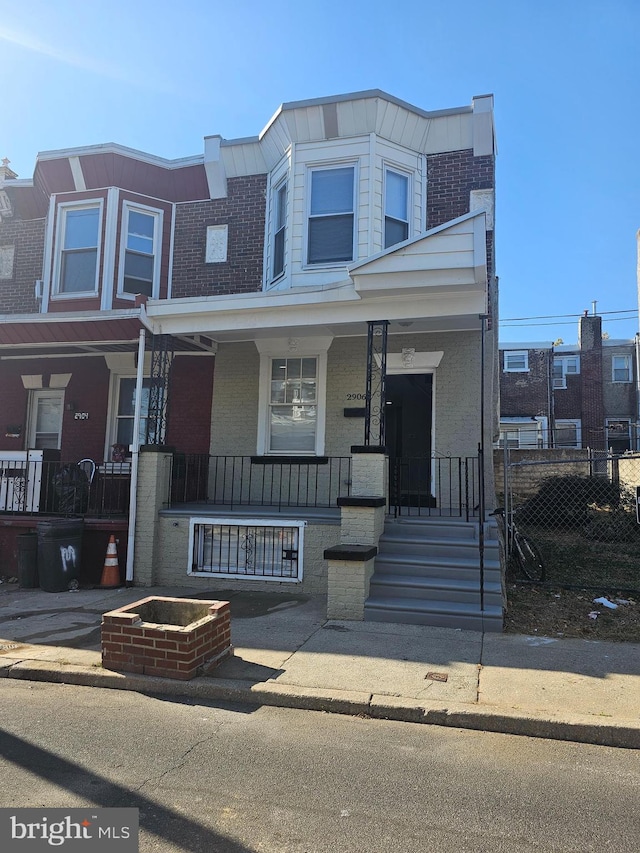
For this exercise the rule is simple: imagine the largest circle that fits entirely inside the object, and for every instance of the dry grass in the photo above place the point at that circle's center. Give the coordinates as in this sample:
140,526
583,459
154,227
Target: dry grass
565,613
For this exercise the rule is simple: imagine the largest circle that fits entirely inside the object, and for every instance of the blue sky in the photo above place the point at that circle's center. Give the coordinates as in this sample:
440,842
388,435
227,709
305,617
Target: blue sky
159,76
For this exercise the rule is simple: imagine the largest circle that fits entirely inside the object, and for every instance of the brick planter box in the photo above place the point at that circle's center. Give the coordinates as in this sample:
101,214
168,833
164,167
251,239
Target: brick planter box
169,637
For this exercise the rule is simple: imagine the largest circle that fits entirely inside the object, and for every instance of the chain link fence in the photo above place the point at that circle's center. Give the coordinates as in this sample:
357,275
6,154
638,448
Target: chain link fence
581,512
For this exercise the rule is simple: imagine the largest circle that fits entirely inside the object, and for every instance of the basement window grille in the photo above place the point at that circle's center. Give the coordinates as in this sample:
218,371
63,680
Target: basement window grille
258,548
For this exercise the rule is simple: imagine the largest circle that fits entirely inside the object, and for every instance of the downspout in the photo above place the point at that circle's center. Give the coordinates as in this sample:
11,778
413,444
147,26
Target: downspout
481,461
135,453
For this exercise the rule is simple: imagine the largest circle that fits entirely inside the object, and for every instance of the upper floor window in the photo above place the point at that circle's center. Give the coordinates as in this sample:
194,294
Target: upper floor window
77,260
516,361
139,266
280,221
396,208
331,215
621,368
563,366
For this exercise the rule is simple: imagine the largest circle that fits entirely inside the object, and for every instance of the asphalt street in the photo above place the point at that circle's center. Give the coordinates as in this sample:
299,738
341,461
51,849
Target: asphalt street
242,778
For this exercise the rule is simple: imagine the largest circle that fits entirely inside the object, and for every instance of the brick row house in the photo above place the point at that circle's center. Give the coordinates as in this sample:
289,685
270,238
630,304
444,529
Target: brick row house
571,396
263,356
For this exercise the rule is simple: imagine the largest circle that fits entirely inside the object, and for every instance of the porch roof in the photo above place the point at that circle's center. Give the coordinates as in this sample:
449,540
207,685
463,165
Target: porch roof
436,282
76,333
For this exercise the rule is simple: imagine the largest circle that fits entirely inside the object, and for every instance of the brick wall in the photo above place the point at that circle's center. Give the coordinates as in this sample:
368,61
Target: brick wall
591,377
27,237
451,177
244,212
526,393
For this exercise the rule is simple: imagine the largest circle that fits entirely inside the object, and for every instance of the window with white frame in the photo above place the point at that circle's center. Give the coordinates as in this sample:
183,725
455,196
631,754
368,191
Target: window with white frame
139,265
396,207
279,228
516,361
621,368
77,254
563,366
292,396
567,433
331,215
293,405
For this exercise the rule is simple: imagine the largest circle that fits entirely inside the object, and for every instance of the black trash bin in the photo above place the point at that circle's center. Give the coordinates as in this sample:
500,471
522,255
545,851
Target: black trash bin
59,552
27,560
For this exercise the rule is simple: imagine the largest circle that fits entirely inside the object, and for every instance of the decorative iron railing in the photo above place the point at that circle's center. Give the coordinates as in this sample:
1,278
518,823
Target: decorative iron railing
38,487
260,480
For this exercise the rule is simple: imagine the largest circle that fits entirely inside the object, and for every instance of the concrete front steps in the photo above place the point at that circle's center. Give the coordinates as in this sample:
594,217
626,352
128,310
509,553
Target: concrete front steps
427,572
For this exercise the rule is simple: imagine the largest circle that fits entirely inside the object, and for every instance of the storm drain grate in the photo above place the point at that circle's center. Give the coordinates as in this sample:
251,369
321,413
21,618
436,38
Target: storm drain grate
437,676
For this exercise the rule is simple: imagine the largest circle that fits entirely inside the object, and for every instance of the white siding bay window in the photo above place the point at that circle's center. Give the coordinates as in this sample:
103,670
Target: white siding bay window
139,261
292,396
331,215
76,261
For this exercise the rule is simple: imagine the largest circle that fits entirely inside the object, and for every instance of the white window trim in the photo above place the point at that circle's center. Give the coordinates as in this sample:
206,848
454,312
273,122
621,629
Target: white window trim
317,167
628,362
559,384
577,423
61,223
34,396
389,167
312,347
157,214
507,353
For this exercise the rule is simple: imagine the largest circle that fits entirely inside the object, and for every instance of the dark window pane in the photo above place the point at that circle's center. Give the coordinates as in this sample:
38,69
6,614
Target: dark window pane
394,232
78,272
331,239
278,253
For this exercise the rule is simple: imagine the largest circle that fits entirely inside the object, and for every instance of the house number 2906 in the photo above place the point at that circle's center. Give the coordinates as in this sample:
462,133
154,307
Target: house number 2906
356,396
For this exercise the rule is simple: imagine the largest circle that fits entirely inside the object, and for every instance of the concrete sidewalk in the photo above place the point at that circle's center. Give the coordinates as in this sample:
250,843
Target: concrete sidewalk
288,654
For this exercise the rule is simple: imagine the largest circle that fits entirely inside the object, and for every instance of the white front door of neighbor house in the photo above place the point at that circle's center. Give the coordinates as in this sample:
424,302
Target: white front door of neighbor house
45,419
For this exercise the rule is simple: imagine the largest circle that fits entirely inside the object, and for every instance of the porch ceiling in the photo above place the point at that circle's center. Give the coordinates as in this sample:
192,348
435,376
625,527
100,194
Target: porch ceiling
80,333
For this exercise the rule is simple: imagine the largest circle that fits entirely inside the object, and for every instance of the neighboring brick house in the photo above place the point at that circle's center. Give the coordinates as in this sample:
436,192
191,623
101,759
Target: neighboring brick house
583,396
275,301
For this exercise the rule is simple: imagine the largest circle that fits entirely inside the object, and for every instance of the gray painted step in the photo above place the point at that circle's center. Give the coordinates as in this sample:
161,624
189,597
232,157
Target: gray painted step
427,572
434,613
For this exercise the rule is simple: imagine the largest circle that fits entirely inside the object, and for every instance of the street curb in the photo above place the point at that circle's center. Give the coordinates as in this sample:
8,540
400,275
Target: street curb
579,729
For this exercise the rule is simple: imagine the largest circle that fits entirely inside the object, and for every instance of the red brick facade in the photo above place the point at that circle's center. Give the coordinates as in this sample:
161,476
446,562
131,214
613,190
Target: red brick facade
527,394
244,212
189,415
17,294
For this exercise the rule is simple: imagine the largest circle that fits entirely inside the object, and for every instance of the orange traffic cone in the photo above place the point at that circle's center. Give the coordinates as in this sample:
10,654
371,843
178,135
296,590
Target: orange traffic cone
111,571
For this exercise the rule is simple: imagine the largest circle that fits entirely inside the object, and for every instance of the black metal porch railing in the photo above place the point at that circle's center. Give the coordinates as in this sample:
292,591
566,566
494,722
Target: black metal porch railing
260,480
34,487
441,486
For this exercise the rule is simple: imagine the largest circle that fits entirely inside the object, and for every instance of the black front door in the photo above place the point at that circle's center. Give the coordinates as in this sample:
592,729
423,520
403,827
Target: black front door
408,438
